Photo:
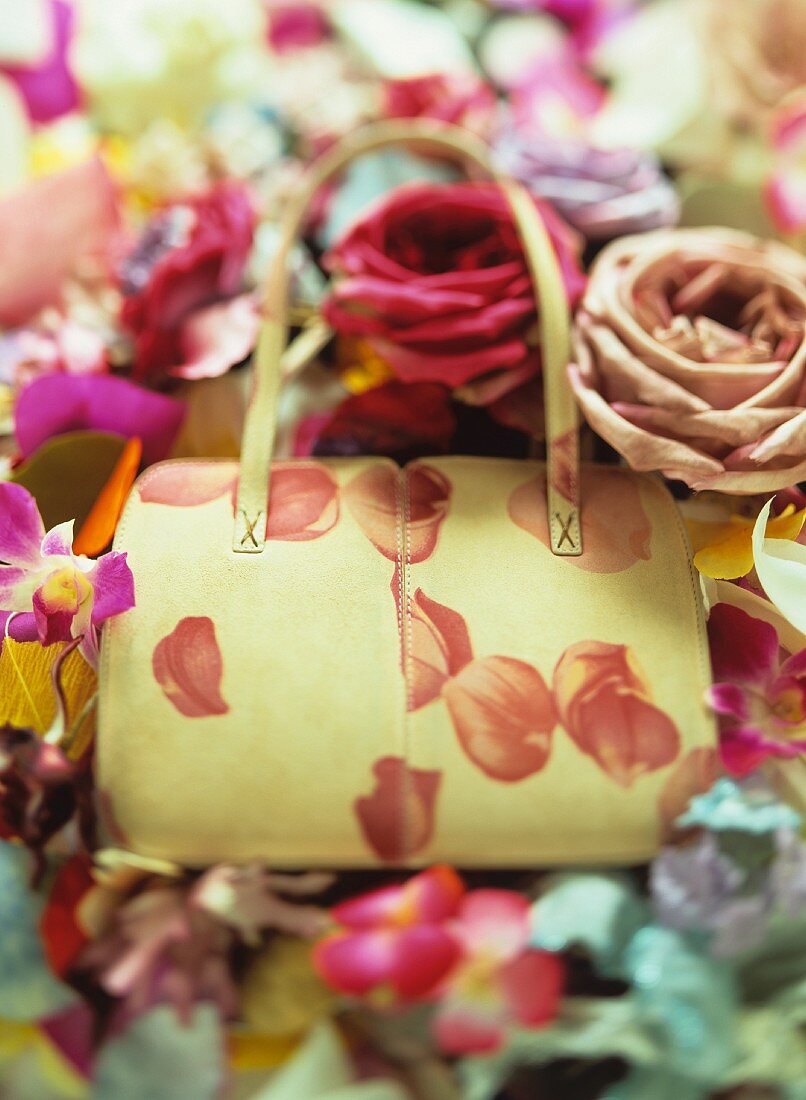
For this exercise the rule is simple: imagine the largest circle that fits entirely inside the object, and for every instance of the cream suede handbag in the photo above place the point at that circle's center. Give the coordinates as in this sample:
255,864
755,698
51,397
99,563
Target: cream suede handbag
484,661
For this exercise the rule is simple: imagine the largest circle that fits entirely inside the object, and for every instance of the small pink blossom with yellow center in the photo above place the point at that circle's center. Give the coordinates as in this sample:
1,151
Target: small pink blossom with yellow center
69,595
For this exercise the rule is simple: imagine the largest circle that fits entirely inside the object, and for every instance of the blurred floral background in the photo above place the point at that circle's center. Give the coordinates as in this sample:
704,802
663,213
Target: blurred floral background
148,150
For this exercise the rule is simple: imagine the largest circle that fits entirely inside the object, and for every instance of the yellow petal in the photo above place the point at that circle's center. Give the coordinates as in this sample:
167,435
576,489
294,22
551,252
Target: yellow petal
27,698
729,558
360,367
787,525
282,994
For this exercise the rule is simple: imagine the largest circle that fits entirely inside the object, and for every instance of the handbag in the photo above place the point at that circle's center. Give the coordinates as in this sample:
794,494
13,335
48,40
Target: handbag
344,663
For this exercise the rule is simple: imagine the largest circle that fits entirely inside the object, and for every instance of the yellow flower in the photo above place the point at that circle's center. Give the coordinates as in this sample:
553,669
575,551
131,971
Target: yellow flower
724,551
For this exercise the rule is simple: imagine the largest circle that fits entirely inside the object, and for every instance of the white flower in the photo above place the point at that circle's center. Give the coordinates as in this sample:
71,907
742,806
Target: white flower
141,59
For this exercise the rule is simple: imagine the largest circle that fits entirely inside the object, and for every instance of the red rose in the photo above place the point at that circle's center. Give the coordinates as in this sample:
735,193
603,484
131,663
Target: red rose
434,277
191,255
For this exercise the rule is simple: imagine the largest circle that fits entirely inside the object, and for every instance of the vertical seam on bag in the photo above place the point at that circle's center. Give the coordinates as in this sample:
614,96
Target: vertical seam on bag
407,778
402,623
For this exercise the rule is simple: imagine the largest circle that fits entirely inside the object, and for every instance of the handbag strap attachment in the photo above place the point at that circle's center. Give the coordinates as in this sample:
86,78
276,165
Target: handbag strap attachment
562,430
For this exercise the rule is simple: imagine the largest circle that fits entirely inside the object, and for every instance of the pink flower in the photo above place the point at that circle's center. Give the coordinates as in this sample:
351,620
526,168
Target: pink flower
499,980
296,24
70,595
460,98
760,699
785,188
435,279
397,938
191,257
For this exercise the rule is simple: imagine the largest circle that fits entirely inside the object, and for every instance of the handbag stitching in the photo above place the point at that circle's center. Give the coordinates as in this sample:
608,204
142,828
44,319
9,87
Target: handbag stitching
407,772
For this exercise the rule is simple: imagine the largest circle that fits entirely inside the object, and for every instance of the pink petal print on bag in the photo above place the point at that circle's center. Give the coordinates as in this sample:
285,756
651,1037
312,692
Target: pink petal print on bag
188,667
604,704
397,818
616,529
185,485
303,503
503,714
376,499
438,646
565,459
695,773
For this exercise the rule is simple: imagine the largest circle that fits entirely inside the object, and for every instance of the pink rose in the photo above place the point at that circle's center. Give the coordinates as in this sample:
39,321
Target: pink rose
191,256
691,357
459,98
435,279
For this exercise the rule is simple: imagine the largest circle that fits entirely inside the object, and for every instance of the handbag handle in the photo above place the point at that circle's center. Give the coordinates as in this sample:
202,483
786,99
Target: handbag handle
562,442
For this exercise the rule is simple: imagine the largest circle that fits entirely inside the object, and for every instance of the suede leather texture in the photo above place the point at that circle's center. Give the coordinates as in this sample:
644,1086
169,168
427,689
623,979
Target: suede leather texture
405,674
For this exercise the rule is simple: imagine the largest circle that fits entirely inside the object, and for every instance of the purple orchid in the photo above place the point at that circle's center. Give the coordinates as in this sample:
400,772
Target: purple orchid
760,699
70,595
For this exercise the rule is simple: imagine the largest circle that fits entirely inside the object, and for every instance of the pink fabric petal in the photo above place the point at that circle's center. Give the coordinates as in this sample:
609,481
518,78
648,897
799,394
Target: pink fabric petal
397,817
59,540
744,650
113,583
494,921
58,403
187,485
531,985
467,1027
729,700
21,528
46,229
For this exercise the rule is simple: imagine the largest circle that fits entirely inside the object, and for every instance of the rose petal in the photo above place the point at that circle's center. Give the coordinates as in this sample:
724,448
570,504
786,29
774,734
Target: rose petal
185,486
188,666
503,715
412,961
217,337
21,528
303,503
604,705
615,528
397,818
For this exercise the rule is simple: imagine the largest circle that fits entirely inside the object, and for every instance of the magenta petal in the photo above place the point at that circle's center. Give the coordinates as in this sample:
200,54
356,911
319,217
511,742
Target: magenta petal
465,1028
113,584
795,666
356,962
47,86
729,700
423,957
744,649
22,627
742,751
58,403
370,910
52,626
21,528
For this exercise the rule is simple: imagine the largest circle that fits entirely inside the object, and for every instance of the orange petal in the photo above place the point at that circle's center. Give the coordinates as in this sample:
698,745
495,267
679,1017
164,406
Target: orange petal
99,526
188,667
503,714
